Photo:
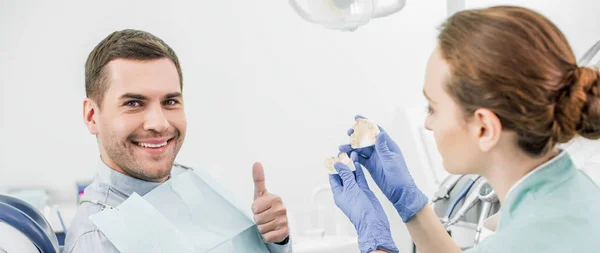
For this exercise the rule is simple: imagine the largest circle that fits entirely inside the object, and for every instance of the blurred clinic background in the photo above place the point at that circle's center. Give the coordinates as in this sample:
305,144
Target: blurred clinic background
260,84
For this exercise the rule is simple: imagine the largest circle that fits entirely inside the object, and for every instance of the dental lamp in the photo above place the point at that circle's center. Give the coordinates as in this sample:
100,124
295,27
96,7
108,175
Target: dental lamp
345,15
348,15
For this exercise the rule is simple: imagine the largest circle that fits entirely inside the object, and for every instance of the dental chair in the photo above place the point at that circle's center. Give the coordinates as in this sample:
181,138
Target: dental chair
23,229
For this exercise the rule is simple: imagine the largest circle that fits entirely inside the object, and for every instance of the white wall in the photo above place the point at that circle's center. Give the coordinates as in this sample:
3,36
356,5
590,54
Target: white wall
578,20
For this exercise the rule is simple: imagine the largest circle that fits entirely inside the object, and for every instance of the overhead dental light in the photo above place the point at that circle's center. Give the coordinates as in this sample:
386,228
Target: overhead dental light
345,15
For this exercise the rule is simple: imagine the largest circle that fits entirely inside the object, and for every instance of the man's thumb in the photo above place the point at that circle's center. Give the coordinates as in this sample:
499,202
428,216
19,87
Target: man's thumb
259,180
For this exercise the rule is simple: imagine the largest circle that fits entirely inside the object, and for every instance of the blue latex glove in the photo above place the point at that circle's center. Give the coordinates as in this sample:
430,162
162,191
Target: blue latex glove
385,163
355,199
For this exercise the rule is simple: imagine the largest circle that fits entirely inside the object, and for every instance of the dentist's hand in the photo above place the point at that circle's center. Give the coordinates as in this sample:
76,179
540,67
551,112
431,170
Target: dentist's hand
385,163
355,199
269,213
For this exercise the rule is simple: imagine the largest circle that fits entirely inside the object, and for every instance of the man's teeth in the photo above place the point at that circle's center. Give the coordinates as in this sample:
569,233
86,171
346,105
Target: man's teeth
148,145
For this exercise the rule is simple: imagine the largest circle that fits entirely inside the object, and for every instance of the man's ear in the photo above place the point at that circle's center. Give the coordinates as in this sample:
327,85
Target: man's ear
487,129
90,111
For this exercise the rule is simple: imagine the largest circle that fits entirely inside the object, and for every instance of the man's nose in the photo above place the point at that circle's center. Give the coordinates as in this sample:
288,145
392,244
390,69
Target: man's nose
156,120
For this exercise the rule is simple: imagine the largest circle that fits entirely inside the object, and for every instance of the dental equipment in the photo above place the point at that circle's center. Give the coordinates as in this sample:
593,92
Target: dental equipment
60,218
446,187
488,196
462,194
344,15
589,55
470,201
20,220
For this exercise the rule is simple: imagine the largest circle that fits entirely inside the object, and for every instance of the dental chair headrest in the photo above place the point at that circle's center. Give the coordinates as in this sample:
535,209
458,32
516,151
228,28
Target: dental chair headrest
29,221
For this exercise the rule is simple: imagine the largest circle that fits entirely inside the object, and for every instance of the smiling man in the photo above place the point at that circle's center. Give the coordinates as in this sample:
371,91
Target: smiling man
135,108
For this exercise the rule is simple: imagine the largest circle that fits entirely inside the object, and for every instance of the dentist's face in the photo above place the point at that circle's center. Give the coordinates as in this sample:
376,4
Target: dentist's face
141,124
455,142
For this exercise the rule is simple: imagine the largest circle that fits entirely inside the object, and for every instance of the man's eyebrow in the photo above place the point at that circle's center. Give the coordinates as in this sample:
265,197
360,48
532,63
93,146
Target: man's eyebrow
142,97
173,95
133,96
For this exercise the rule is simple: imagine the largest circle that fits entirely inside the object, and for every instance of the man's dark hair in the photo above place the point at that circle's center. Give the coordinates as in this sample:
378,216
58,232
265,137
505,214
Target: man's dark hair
124,44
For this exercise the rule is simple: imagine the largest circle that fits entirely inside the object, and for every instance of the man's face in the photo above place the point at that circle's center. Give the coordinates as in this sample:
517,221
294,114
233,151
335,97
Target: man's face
141,124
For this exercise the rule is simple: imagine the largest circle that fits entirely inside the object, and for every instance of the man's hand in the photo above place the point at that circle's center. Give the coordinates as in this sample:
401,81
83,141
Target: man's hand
269,213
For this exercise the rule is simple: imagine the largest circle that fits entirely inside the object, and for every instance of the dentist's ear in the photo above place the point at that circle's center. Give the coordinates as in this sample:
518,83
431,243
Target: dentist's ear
487,129
89,115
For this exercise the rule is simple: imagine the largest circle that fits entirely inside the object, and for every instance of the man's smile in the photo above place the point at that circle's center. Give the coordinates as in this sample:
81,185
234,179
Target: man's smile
154,146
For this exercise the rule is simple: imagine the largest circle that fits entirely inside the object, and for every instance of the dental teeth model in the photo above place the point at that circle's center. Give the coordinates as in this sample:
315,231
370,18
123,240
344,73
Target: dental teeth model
365,133
343,158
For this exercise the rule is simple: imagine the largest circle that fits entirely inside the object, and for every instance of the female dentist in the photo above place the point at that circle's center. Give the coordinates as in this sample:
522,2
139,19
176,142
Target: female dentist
504,89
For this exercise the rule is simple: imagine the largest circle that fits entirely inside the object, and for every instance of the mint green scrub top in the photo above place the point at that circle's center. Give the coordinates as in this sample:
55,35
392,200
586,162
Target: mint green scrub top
554,208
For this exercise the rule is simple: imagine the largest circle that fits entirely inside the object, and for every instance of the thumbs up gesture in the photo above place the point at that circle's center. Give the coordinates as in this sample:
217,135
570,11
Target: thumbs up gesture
269,213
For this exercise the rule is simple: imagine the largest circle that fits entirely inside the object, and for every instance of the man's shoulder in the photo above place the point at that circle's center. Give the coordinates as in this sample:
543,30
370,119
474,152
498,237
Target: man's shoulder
81,226
91,242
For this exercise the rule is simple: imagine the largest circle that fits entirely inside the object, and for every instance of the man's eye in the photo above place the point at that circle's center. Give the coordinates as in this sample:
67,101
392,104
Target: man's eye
133,103
171,102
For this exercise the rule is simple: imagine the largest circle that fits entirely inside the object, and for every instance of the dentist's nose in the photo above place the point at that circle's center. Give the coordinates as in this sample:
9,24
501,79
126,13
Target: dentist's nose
156,120
427,124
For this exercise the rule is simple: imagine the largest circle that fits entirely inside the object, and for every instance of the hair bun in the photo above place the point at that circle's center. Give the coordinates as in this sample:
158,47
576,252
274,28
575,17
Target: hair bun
578,107
589,126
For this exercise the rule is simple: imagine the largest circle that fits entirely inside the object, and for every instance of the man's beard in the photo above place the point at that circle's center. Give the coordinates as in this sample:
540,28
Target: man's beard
123,154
